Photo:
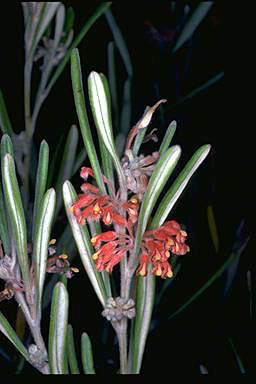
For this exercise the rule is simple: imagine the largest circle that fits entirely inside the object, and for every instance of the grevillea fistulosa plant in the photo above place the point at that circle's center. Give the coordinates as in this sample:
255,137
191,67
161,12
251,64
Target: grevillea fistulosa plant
112,220
118,221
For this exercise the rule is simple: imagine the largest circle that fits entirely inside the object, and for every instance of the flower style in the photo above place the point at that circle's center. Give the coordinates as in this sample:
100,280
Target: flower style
98,206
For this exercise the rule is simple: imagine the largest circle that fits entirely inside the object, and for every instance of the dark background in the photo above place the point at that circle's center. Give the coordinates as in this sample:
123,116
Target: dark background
199,335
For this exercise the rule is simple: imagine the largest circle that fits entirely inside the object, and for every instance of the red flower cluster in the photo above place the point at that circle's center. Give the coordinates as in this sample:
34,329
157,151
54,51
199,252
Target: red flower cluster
111,253
156,246
98,206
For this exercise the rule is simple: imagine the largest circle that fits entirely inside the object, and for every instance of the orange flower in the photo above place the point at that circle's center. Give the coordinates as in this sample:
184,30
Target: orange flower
157,245
111,253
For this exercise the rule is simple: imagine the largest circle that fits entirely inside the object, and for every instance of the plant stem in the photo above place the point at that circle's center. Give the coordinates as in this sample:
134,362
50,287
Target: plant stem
41,93
28,128
121,331
34,328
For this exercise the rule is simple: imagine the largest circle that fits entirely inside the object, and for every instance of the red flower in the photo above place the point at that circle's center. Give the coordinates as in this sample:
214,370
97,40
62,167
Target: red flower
132,207
156,247
143,267
92,205
105,236
111,253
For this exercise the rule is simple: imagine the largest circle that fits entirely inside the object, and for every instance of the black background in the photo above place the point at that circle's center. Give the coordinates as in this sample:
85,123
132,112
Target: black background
199,334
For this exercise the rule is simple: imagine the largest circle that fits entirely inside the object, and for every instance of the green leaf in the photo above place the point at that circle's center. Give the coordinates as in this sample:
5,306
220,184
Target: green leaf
46,17
179,185
100,108
77,85
6,146
71,352
238,358
125,118
69,20
168,137
199,89
5,123
9,332
86,353
232,270
157,181
41,180
59,24
58,329
120,42
67,164
82,239
193,22
4,235
41,244
16,214
145,295
89,23
107,162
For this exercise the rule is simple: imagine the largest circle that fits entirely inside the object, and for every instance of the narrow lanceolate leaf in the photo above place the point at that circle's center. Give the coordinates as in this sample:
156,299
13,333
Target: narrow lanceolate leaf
77,85
41,180
157,181
67,164
82,239
193,22
199,89
58,329
69,20
16,214
168,137
9,332
6,146
5,123
86,353
100,107
71,352
41,244
4,235
232,270
46,17
145,294
125,118
120,42
179,185
238,358
88,24
59,24
106,158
